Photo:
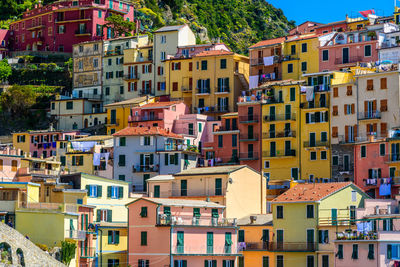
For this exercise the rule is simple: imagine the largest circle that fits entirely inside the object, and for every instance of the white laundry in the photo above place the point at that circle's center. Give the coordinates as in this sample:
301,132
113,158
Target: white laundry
268,61
253,82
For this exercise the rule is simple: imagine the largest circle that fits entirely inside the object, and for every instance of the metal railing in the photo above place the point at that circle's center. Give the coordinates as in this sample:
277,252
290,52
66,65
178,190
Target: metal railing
88,252
164,219
113,122
260,60
202,91
87,96
353,59
114,52
186,89
315,143
145,92
155,117
144,168
369,115
248,137
223,89
44,172
280,134
314,104
132,76
280,117
75,234
248,119
273,100
279,153
225,129
226,161
248,155
199,249
84,31
393,157
279,246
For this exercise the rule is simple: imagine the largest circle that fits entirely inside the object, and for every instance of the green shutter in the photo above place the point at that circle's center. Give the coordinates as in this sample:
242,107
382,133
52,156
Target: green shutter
166,159
109,189
224,263
73,160
99,191
241,236
86,221
82,221
180,242
157,191
120,192
151,159
109,215
218,186
98,215
116,237
389,251
176,158
214,213
143,238
228,239
196,212
214,263
88,189
122,141
184,263
205,263
110,237
167,211
141,159
143,212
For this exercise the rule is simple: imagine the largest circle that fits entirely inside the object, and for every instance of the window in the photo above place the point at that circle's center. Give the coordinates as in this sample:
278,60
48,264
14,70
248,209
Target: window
279,212
323,236
349,91
210,242
183,187
304,48
310,261
223,63
325,55
292,94
204,65
76,160
122,141
220,141
144,263
113,237
121,160
241,236
70,105
290,68
370,85
313,155
325,260
61,29
180,263
234,140
121,177
279,261
143,238
383,83
180,242
324,136
163,39
371,251
303,66
112,262
354,254
363,151
382,149
218,186
162,55
115,192
310,211
210,263
295,173
339,253
265,261
367,50
323,155
266,164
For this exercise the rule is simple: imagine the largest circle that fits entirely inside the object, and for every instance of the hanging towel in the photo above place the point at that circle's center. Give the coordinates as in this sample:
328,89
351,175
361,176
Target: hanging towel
253,82
309,93
273,75
385,190
105,156
83,146
96,159
268,61
364,227
54,144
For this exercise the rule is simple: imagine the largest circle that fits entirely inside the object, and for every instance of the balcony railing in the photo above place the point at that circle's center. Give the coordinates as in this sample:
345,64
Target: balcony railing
273,100
132,76
280,117
75,234
226,161
88,252
369,115
203,90
248,155
224,89
44,172
87,96
279,246
83,32
178,147
248,119
164,219
260,60
145,92
349,60
353,236
155,117
59,207
248,137
315,143
314,104
279,153
294,56
226,129
144,168
393,157
113,122
113,52
280,134
186,89
204,250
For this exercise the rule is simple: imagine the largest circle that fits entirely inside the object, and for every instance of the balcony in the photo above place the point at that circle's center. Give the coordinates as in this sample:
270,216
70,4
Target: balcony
36,27
186,89
222,90
114,52
395,157
75,234
88,252
131,76
113,122
167,220
248,156
44,172
204,250
86,96
314,104
273,100
260,61
278,246
248,137
71,20
155,117
316,144
349,60
321,88
248,119
293,56
178,147
226,129
56,207
354,235
82,32
202,91
144,168
281,134
344,140
279,153
370,115
280,117
370,182
234,160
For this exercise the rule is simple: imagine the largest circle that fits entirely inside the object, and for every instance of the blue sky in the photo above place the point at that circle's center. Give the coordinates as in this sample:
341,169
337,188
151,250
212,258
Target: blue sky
329,11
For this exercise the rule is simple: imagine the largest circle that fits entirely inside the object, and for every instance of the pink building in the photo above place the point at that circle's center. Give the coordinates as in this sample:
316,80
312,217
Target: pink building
191,50
305,27
377,239
178,232
330,27
371,169
159,114
58,26
10,163
192,127
4,36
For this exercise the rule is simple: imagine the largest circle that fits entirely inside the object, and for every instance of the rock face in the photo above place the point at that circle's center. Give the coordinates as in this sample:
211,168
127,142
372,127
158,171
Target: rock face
20,247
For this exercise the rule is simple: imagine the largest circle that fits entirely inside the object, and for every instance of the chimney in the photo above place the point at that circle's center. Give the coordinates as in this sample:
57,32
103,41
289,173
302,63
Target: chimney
253,219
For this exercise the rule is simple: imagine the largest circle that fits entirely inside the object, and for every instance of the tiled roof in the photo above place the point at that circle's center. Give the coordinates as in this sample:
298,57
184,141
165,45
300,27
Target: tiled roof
269,42
182,202
170,28
132,101
214,53
211,170
310,192
160,104
139,131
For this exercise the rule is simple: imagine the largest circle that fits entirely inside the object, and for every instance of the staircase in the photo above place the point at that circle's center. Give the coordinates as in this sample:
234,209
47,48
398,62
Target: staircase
243,81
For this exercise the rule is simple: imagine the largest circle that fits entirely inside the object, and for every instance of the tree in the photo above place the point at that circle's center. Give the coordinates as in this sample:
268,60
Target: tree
67,251
5,70
119,25
17,100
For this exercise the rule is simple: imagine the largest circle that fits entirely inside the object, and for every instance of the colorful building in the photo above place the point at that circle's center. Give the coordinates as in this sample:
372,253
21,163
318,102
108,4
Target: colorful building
57,27
10,162
180,232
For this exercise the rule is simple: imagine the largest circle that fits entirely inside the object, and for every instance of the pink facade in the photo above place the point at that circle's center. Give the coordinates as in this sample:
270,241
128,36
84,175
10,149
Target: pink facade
44,143
10,163
190,50
4,36
173,233
192,127
330,27
160,114
57,27
86,252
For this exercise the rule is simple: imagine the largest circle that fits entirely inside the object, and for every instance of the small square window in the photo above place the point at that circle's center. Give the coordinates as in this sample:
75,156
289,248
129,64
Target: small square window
313,155
323,155
266,164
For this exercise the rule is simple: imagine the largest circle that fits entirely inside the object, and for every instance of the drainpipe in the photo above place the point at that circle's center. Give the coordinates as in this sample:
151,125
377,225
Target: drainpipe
101,247
299,144
171,258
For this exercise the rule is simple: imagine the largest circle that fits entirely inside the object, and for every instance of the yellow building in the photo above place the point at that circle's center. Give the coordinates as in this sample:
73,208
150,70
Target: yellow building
281,131
218,79
300,56
118,113
306,219
255,236
179,79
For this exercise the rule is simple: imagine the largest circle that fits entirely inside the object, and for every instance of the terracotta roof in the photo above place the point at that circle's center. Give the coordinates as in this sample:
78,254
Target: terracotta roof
269,42
310,192
214,53
160,104
139,131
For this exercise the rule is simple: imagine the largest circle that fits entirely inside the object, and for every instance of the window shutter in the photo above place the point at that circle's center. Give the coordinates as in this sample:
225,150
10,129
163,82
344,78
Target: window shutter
129,86
141,159
98,215
345,109
142,140
143,85
335,92
120,192
173,66
190,66
352,108
198,84
383,105
179,66
166,159
150,68
99,191
374,105
208,83
88,189
383,83
151,159
109,189
151,140
109,215
150,85
135,86
383,129
176,158
346,133
226,83
158,71
116,237
158,86
365,106
375,127
143,69
110,237
335,131
73,160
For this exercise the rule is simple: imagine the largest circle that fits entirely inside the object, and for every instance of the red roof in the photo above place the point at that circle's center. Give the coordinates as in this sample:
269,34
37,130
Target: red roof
213,53
269,42
139,131
161,104
304,37
310,192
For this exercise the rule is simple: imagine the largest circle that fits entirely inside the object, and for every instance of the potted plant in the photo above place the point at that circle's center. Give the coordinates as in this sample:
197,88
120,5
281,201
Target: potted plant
372,35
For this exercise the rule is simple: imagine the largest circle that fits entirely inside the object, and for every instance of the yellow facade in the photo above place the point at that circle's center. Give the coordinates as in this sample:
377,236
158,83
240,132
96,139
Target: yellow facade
281,130
30,190
300,56
21,141
87,64
179,82
114,251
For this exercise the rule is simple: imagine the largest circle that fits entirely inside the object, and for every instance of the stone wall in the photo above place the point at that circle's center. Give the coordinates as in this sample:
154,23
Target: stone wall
32,255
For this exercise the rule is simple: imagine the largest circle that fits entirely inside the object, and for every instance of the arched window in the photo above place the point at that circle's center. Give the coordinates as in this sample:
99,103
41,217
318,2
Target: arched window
5,253
20,255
